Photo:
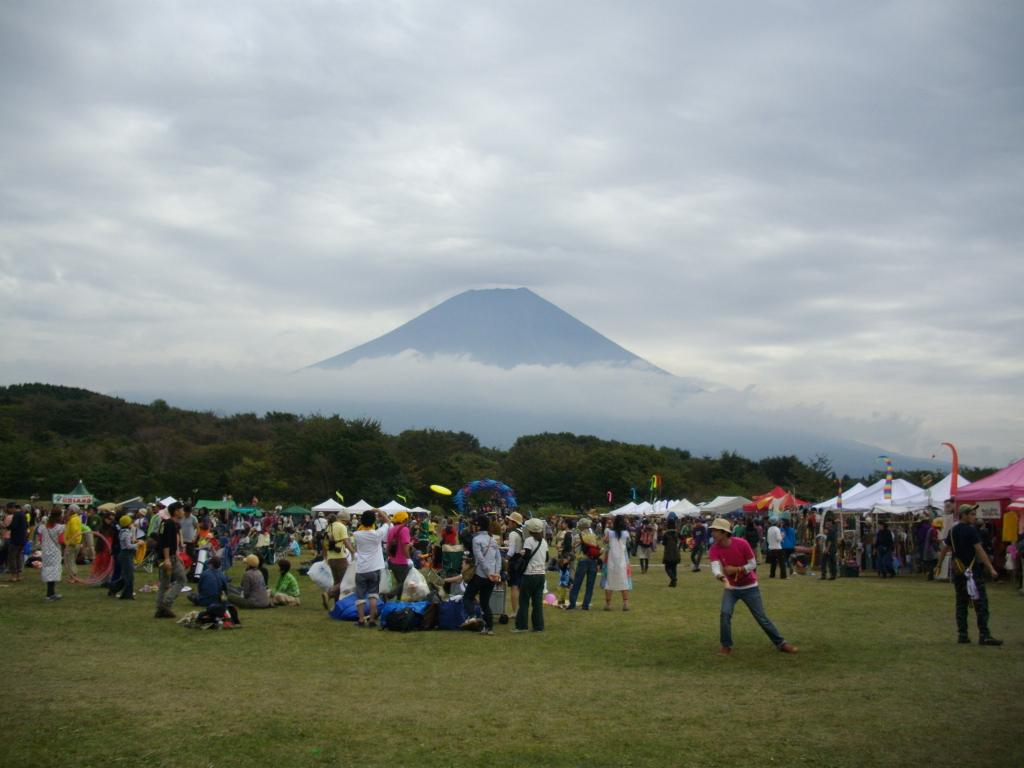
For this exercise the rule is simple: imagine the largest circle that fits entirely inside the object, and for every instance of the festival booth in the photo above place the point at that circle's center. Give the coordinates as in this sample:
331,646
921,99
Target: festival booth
724,505
79,496
776,501
998,498
893,501
627,509
393,506
296,511
684,508
358,508
832,503
328,507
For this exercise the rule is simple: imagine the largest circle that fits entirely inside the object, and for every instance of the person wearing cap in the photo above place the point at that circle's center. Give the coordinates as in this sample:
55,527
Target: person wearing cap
126,559
700,540
586,565
72,541
734,564
398,543
967,574
338,547
17,535
514,543
535,549
254,587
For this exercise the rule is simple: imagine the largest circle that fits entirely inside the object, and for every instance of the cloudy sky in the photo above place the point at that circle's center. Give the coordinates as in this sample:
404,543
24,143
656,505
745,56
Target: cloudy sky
822,200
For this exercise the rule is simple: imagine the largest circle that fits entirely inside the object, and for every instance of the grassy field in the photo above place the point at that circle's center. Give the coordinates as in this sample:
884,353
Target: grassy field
879,681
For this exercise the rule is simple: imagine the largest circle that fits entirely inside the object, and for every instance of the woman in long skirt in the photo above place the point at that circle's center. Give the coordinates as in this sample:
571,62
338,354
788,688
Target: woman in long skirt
51,555
617,575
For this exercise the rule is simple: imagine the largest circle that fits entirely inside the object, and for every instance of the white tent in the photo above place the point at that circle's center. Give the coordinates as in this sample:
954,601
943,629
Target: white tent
940,491
328,506
168,501
393,506
723,505
684,508
359,507
629,509
904,494
643,508
853,490
420,510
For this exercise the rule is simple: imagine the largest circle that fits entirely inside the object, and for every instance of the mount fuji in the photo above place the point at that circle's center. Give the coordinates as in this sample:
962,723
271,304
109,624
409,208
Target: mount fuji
504,327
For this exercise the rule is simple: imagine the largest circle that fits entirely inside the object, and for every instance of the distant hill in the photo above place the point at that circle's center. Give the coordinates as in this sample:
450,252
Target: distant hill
500,326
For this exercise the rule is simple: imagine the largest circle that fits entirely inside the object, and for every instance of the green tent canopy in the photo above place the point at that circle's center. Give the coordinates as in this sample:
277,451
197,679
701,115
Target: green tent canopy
296,511
212,505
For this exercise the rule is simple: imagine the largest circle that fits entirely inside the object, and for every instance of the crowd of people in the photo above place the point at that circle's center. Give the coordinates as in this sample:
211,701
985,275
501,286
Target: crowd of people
471,555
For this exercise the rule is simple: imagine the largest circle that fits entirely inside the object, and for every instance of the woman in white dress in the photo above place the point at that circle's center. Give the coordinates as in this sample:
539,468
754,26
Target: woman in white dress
49,537
617,574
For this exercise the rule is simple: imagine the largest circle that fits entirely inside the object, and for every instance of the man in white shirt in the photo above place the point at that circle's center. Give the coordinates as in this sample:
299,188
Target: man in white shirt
369,545
775,549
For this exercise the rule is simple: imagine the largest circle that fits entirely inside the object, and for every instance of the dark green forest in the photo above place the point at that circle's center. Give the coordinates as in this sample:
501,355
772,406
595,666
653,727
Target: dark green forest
53,436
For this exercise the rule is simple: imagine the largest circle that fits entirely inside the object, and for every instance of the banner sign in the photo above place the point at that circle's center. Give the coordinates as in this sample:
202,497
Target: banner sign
66,498
990,510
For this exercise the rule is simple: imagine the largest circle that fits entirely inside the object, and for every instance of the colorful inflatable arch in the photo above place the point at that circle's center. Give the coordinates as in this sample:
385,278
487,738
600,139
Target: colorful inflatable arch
506,493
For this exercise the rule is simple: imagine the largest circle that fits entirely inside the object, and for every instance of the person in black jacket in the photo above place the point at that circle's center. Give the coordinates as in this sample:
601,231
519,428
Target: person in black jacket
884,544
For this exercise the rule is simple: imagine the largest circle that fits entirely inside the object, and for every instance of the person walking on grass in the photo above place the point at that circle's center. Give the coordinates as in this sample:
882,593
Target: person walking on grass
967,574
670,551
172,570
645,545
700,540
49,538
565,558
487,574
734,564
531,593
588,555
617,577
369,542
775,549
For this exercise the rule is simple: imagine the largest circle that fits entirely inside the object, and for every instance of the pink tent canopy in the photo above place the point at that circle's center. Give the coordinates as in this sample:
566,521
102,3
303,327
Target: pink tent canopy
1005,484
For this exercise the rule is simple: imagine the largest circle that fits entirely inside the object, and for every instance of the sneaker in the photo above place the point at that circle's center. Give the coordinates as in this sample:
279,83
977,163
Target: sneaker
360,623
58,597
50,599
787,648
371,623
963,639
585,608
570,607
625,607
518,631
486,631
725,650
989,640
607,606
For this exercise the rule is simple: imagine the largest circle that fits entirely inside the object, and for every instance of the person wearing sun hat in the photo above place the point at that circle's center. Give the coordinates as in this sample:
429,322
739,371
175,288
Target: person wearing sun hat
535,550
733,563
515,543
254,588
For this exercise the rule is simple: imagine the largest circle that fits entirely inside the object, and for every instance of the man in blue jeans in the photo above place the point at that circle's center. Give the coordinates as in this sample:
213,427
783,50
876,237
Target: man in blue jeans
734,564
586,566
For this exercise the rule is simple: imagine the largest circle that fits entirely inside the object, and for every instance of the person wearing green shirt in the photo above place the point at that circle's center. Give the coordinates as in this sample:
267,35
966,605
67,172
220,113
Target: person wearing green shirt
286,590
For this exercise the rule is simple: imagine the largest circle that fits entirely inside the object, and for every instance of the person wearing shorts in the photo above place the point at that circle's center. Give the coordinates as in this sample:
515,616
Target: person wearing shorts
369,542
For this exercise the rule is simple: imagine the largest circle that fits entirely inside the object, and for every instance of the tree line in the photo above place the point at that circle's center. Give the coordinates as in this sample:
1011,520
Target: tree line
52,436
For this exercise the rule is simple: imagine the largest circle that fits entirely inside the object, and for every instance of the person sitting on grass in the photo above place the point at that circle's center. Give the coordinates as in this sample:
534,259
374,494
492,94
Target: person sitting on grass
212,585
254,588
286,590
733,563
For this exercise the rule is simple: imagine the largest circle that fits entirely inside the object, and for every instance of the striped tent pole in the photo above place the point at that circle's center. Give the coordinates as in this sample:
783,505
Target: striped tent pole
887,492
839,498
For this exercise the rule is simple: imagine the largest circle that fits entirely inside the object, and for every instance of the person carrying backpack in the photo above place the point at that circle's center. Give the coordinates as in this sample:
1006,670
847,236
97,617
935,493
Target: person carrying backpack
645,545
588,557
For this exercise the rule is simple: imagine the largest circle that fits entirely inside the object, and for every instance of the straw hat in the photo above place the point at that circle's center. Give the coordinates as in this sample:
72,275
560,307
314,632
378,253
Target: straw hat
721,524
515,517
583,523
534,525
252,561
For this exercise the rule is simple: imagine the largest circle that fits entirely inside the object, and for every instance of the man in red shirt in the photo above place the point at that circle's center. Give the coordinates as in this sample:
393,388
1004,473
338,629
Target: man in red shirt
733,562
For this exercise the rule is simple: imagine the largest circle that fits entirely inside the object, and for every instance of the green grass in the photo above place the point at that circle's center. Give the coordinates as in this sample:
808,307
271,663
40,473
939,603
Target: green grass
879,681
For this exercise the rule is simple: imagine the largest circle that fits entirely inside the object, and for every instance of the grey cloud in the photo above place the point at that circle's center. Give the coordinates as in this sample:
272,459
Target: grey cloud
798,195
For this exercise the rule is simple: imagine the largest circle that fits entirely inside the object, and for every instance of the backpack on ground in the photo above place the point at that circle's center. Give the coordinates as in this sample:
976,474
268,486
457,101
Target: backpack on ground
402,620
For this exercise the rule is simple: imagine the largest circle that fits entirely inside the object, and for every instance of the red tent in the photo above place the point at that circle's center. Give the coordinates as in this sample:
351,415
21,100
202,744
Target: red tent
765,501
1005,484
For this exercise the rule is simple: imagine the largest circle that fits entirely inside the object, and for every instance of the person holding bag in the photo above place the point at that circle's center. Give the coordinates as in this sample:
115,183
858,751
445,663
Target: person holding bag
534,556
487,572
967,574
